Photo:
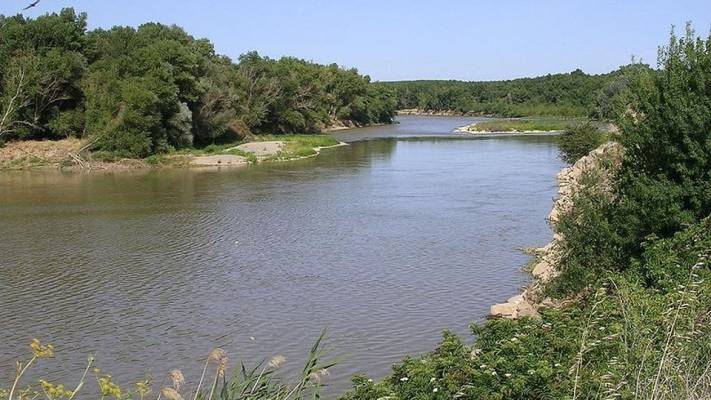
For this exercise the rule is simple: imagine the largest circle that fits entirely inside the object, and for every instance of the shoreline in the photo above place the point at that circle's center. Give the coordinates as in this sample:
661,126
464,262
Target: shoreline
467,129
70,155
543,267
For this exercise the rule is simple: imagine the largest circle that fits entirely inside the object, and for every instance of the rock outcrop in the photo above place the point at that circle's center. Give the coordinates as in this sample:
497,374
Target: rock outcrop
604,160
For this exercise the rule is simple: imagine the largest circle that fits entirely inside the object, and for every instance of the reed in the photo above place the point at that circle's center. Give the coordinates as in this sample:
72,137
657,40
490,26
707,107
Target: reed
259,382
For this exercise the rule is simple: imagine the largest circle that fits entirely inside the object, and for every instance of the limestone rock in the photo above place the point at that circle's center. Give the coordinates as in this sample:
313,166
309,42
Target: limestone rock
504,310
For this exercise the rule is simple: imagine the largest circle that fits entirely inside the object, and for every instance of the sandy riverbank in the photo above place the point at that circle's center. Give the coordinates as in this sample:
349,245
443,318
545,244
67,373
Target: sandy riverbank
73,155
470,129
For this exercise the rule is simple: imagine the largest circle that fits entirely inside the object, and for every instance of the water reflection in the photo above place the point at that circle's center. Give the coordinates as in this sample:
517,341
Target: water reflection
385,242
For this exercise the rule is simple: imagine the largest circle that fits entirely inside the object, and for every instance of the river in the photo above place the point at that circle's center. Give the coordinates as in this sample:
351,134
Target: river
385,242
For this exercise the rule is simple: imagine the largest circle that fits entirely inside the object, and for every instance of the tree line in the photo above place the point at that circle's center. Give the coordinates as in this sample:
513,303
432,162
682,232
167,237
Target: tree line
140,91
571,94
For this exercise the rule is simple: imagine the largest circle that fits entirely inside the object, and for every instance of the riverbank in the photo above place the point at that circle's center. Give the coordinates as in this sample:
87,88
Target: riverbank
75,154
601,162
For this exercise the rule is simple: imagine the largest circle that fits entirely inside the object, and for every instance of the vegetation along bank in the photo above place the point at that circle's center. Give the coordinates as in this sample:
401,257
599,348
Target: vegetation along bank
130,93
621,307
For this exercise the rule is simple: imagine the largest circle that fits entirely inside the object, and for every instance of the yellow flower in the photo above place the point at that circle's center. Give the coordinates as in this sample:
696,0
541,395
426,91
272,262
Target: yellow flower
40,351
54,391
143,388
108,388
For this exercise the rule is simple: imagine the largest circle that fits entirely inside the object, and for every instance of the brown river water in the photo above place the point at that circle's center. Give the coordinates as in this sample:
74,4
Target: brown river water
385,242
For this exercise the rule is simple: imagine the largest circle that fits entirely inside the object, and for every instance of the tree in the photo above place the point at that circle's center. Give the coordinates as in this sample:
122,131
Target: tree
14,99
666,131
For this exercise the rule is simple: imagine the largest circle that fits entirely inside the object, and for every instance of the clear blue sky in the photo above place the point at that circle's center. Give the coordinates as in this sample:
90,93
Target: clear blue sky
417,39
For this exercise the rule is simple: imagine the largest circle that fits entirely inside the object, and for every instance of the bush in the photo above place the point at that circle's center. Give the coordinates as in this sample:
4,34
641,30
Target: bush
579,141
666,130
619,340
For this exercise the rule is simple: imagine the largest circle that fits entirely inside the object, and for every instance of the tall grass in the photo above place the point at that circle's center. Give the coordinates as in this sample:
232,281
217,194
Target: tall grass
255,383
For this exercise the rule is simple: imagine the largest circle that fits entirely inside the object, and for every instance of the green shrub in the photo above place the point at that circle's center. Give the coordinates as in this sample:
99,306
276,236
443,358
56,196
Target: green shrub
578,141
620,339
666,130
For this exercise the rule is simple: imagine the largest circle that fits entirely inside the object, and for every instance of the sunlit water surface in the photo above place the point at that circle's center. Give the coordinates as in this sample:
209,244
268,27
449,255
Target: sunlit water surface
384,242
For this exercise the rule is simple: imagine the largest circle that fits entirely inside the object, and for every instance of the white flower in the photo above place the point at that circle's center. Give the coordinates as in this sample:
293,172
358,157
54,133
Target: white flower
435,390
404,379
432,380
507,375
494,373
556,365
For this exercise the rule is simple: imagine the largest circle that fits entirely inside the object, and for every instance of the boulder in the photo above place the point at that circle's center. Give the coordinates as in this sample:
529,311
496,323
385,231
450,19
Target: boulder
505,310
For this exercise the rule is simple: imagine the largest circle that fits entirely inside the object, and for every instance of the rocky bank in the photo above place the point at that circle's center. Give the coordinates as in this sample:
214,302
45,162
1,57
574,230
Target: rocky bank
603,161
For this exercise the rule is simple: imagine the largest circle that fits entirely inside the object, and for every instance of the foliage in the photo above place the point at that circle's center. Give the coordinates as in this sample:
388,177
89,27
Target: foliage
143,91
666,182
259,382
579,140
634,267
299,146
573,94
621,340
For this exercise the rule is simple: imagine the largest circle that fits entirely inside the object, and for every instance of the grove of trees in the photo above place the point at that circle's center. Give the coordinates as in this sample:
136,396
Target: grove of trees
571,94
139,91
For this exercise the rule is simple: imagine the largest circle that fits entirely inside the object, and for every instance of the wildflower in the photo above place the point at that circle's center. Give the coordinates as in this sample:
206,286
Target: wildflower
177,378
507,375
474,353
493,373
404,379
435,390
108,388
217,355
171,394
370,381
277,361
432,380
482,366
54,391
40,351
220,357
557,365
143,388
